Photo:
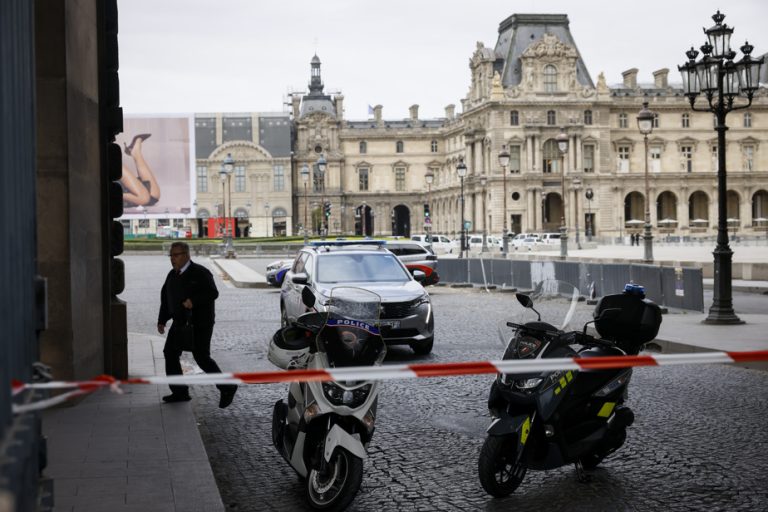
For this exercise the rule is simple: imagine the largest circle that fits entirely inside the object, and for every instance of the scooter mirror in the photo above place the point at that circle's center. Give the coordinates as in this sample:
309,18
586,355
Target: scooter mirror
307,297
524,300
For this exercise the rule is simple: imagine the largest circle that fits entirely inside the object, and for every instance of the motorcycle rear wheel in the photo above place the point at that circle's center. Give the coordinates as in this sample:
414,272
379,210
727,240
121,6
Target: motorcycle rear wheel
499,474
337,487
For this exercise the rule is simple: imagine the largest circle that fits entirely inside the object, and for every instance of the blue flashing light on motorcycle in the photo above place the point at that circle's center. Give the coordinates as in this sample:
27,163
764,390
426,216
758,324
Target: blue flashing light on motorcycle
635,289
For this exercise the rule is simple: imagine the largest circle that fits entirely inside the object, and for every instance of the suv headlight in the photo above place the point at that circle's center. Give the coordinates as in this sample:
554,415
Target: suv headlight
424,299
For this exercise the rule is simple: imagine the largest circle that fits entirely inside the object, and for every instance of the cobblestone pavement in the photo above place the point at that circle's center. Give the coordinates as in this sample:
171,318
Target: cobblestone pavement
698,443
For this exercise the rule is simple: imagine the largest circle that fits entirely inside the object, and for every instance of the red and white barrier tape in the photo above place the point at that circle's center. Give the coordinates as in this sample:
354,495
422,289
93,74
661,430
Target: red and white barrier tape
409,371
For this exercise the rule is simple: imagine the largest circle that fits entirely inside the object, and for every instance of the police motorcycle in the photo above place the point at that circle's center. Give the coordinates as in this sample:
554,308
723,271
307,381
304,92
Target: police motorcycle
545,420
323,428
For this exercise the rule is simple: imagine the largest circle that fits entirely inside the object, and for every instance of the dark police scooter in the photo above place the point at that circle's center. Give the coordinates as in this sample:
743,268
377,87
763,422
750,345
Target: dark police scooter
546,420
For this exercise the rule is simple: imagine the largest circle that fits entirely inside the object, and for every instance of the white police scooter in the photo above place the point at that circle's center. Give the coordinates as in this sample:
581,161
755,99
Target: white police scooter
323,429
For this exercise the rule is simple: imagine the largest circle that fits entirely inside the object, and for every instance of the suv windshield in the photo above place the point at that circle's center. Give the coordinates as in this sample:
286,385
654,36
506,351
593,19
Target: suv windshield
353,268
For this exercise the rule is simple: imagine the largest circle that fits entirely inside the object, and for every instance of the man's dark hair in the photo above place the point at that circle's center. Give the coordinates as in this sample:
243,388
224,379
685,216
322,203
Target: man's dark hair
184,246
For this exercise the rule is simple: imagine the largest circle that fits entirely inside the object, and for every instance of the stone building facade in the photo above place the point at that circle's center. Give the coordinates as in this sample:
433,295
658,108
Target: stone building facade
531,86
527,89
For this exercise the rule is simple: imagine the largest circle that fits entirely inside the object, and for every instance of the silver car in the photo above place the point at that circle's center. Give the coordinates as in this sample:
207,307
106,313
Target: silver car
406,316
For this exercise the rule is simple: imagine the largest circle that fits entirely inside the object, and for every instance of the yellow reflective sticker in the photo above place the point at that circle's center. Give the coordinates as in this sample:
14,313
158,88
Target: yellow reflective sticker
606,409
569,376
557,391
563,382
525,431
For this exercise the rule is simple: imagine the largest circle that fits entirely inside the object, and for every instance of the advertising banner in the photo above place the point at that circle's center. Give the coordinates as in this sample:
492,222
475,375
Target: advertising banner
157,166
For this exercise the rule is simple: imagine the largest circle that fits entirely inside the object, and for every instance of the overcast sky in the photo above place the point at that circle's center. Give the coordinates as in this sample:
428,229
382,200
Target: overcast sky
184,56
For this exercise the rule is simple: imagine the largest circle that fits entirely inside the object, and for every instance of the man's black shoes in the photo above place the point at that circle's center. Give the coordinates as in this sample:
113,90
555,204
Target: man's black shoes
227,395
177,397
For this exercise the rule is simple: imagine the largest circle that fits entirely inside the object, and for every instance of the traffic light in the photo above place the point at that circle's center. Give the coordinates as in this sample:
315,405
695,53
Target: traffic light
111,123
426,213
327,209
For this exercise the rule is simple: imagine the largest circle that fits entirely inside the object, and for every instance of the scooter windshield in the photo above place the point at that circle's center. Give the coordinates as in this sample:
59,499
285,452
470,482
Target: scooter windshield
350,336
558,304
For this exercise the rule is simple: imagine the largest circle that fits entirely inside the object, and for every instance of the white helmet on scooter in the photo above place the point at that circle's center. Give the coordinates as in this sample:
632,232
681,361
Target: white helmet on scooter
289,349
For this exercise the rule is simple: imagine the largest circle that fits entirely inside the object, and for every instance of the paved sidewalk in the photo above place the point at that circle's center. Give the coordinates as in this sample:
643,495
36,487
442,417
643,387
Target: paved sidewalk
129,452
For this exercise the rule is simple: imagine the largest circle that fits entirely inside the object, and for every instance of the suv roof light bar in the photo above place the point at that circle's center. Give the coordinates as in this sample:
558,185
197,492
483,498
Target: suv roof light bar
341,243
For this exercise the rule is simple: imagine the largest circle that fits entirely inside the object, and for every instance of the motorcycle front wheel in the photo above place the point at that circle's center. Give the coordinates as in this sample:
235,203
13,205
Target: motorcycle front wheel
499,474
336,487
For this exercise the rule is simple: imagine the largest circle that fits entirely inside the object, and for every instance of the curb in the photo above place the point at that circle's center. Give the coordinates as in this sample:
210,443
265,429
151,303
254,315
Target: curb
245,279
676,347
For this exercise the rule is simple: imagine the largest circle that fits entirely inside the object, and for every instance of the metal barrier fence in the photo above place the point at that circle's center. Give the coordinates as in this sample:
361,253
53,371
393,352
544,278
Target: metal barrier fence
675,287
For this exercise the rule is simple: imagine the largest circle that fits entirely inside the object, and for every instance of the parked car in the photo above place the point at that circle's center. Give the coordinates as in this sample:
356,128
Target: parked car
440,243
550,238
417,256
406,317
276,272
526,241
493,243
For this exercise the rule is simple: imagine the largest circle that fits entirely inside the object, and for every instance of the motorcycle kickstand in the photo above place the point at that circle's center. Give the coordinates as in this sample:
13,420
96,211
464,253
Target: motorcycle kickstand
581,474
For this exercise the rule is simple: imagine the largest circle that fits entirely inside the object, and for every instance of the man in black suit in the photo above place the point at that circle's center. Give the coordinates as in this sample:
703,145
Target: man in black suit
189,292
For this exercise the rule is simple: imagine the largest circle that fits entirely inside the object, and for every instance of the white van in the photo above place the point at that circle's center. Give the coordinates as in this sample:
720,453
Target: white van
550,238
440,243
525,240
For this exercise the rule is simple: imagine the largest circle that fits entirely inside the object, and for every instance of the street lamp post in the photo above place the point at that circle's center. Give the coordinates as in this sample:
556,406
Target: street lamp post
504,162
721,80
429,176
321,166
461,170
266,217
645,125
305,179
226,177
562,146
483,183
362,219
589,194
576,189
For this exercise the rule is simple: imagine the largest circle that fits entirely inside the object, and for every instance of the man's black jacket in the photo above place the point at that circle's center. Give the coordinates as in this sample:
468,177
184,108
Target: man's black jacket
196,283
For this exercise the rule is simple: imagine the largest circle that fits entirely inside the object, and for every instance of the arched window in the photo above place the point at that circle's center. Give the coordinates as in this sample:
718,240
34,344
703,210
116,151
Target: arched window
203,213
399,146
241,213
587,117
363,147
279,212
551,156
550,78
514,118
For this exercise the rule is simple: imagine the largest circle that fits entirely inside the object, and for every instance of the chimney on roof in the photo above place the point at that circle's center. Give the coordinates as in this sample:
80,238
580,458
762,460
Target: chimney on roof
660,78
450,111
414,112
295,105
630,78
377,113
339,99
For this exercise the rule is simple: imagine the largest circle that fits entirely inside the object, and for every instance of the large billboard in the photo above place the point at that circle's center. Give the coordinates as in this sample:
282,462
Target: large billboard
157,170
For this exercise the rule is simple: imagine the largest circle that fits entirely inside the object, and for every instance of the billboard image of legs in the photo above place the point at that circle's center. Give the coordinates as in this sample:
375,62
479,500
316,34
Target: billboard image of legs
156,165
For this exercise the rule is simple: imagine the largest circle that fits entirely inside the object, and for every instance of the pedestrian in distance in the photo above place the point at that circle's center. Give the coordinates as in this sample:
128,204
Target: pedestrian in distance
188,295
